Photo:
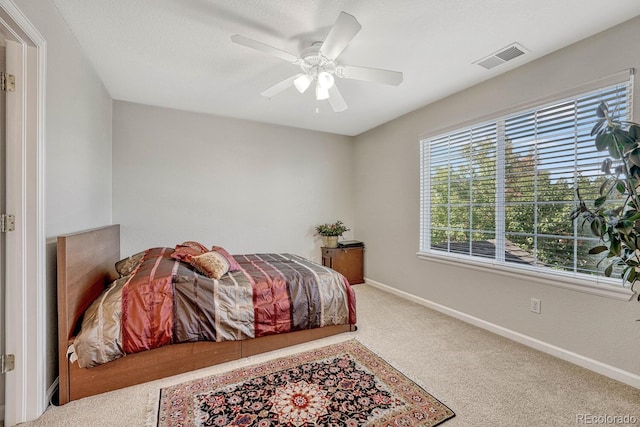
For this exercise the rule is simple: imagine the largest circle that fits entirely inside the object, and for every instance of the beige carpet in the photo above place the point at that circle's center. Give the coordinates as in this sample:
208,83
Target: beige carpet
485,379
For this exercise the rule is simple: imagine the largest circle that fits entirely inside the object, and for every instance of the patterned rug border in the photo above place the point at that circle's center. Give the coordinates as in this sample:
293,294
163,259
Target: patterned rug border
353,347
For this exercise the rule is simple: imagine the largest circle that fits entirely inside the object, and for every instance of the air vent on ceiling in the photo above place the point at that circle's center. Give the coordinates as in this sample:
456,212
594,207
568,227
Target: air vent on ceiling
503,55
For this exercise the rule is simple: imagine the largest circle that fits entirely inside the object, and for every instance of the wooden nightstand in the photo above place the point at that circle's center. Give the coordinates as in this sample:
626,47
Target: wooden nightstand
347,261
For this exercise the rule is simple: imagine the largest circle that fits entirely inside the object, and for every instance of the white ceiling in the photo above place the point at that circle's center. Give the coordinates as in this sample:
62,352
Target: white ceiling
178,53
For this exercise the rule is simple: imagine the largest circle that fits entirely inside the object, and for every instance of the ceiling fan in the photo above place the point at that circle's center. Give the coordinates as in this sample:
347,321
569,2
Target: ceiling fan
318,63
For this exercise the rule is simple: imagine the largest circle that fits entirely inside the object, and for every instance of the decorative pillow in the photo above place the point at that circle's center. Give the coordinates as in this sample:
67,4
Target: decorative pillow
233,264
187,250
211,264
125,267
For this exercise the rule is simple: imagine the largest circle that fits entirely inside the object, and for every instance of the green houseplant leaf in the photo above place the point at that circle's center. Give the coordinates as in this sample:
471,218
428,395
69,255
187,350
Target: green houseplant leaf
613,216
597,250
602,111
603,141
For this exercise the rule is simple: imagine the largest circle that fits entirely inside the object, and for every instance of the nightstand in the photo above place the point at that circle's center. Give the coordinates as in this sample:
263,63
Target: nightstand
347,261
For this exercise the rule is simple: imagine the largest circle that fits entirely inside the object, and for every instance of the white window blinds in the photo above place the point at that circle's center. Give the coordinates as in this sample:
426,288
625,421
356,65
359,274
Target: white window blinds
503,191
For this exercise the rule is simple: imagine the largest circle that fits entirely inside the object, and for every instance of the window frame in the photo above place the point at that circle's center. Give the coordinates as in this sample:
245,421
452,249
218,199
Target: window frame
592,284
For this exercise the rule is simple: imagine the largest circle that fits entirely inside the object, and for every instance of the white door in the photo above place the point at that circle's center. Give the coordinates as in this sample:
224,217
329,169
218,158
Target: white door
24,311
3,146
11,117
24,268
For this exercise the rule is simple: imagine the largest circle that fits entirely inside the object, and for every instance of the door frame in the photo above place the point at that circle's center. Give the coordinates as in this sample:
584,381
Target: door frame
25,386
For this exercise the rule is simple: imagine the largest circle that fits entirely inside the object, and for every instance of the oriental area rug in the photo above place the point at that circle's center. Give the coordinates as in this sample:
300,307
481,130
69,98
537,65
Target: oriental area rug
339,385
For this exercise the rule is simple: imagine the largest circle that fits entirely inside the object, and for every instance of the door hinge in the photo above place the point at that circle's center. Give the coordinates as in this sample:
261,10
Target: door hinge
7,363
7,82
7,223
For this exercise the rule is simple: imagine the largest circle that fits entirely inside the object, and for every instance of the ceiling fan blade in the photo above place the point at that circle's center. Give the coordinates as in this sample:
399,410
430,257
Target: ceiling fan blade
345,29
336,100
279,87
366,74
264,48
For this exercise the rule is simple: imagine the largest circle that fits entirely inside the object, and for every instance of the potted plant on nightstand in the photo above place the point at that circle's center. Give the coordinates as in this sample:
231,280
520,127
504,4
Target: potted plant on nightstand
331,232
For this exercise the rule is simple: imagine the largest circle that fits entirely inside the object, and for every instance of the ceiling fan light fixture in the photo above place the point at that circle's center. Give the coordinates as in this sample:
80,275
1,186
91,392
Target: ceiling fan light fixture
302,83
322,93
318,63
325,80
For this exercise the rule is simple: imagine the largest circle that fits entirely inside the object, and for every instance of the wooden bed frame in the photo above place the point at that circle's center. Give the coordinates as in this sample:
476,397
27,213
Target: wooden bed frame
85,266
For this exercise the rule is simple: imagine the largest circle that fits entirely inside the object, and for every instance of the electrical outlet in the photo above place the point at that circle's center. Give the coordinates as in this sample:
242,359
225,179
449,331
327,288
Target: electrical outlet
535,305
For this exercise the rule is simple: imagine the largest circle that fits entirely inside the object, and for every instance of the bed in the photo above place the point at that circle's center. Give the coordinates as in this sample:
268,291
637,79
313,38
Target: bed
86,267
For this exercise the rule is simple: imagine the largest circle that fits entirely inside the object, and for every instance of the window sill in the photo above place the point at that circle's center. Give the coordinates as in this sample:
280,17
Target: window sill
561,280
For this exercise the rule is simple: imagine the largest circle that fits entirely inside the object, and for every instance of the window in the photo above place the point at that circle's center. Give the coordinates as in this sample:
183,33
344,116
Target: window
501,192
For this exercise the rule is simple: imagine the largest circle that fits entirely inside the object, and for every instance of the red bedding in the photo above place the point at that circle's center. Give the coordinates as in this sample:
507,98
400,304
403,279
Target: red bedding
165,301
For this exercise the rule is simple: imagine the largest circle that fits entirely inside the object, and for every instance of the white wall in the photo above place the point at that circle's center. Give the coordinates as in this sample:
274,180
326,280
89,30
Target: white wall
246,186
78,147
387,168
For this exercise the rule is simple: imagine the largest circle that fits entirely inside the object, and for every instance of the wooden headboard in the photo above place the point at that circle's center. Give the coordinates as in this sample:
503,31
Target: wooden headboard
85,265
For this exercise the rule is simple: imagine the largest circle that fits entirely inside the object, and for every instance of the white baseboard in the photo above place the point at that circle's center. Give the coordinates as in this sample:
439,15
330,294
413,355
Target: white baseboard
561,353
